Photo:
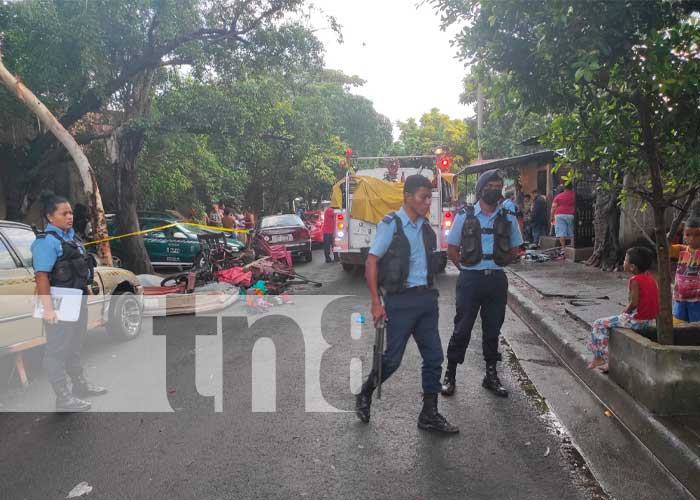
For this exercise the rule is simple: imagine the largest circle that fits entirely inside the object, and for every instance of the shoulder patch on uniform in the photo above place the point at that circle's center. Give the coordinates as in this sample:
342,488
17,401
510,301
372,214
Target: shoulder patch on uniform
389,217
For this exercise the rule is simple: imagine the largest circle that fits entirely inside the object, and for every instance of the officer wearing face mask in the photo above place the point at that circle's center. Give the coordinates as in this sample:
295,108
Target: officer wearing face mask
484,238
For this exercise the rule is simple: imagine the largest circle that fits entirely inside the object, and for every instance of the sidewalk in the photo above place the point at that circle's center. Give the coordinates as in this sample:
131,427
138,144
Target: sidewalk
559,301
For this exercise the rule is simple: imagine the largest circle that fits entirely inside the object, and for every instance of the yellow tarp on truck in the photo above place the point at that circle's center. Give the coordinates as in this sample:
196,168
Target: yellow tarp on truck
372,198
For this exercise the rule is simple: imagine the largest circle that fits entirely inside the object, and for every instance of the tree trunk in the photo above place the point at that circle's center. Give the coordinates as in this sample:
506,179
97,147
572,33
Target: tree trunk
87,176
606,248
125,147
664,323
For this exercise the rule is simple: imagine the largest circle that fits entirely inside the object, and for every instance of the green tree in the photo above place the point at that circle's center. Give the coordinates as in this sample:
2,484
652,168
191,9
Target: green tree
624,77
116,53
436,130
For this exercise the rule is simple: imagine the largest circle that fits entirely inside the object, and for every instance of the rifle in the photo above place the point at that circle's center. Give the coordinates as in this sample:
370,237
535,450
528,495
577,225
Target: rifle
378,352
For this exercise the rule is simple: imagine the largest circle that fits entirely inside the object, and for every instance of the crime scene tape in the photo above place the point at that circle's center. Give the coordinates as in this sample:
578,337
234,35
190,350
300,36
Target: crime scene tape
167,226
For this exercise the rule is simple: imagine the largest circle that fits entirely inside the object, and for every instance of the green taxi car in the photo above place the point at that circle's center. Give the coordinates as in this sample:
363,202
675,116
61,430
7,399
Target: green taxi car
175,246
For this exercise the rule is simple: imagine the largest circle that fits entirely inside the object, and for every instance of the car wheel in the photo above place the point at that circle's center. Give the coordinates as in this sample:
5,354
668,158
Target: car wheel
347,267
199,261
124,316
308,256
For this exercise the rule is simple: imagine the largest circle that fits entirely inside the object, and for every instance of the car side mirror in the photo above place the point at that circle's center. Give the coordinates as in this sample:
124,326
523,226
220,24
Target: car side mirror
179,236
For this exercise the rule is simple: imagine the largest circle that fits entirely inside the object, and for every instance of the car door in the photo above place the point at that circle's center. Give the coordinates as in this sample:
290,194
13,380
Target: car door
16,299
156,242
176,248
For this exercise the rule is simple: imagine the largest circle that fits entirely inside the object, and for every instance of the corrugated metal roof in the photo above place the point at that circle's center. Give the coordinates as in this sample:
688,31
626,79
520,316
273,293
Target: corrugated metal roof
479,166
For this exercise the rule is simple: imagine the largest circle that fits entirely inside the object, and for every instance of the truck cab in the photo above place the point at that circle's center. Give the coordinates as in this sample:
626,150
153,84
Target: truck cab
369,193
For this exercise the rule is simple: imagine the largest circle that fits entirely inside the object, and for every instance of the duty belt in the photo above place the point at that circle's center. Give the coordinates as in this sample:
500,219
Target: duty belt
414,289
485,272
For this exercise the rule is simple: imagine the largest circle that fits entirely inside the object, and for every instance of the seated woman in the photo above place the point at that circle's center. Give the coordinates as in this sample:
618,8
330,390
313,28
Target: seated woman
640,313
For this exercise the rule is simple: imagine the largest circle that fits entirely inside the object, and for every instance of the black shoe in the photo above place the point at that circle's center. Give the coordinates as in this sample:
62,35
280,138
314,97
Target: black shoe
66,402
84,389
363,401
449,384
492,382
429,418
336,259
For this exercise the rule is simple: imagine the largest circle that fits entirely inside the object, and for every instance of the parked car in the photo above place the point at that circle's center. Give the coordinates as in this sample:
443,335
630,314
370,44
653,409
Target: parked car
175,246
288,230
114,300
314,221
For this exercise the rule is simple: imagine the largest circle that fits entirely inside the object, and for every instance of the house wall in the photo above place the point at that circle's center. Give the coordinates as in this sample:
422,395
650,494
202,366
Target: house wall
636,219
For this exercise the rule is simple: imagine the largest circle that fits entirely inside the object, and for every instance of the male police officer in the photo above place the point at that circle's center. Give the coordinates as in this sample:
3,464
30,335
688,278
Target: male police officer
401,261
483,239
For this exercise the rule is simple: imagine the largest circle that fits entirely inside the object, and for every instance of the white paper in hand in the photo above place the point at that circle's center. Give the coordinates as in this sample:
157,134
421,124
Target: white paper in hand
67,303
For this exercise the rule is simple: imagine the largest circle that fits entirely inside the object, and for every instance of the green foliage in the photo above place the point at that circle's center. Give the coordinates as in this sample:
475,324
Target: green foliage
619,80
436,130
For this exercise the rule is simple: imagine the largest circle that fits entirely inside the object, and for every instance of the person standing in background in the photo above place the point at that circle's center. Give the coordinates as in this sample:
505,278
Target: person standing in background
562,216
328,233
214,216
538,217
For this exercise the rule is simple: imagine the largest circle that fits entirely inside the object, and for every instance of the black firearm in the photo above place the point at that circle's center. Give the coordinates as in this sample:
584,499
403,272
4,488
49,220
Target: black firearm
378,352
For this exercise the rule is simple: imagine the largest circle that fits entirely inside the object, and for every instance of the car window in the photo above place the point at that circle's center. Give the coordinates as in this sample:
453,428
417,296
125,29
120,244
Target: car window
152,224
281,220
21,240
6,260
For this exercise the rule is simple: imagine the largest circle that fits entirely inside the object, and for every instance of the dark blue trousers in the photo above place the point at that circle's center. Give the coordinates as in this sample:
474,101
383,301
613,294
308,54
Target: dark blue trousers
414,313
328,247
64,341
478,292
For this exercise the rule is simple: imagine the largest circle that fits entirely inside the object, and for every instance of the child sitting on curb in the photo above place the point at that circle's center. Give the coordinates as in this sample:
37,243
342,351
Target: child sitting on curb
639,314
686,290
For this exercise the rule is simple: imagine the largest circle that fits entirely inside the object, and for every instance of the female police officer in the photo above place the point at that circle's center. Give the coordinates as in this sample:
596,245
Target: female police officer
401,261
483,239
60,261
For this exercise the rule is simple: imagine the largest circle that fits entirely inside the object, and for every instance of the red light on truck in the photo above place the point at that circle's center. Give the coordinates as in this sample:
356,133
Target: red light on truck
341,217
448,215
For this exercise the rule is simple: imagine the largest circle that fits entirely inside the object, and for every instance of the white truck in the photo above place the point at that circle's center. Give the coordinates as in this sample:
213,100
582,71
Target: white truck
353,236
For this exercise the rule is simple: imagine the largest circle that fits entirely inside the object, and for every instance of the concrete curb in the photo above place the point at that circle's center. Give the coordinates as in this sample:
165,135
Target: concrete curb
675,455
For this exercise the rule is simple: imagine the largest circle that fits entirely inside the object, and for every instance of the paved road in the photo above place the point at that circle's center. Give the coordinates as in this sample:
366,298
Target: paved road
506,449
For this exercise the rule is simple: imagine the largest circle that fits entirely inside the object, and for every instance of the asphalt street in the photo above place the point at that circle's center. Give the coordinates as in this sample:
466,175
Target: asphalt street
287,447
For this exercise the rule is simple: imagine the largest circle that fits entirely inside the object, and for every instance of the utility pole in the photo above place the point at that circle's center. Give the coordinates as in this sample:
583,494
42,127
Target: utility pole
479,120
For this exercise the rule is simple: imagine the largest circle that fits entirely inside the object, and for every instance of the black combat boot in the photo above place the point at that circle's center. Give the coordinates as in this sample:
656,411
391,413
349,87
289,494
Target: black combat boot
429,418
83,389
363,400
66,402
448,383
492,383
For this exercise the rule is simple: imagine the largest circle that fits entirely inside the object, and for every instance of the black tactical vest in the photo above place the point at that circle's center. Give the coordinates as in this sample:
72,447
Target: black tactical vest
394,265
471,245
73,269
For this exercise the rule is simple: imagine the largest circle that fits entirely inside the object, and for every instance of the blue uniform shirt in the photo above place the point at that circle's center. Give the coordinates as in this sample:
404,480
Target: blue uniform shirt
486,221
418,266
510,205
47,250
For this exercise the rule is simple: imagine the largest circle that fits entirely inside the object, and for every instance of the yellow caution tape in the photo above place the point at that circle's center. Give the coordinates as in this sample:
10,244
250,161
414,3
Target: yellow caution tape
167,226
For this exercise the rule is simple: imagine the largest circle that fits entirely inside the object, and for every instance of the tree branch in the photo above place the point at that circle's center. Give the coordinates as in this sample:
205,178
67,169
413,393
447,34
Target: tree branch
683,211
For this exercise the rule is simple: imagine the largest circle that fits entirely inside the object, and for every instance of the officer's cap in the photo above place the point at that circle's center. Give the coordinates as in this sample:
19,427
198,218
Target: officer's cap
486,177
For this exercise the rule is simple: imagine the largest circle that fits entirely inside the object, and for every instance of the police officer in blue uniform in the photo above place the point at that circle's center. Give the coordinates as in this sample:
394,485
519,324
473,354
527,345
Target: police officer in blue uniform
484,238
402,262
60,260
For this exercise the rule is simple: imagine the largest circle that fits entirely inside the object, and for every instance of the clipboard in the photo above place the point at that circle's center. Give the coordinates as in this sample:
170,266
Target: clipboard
67,302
